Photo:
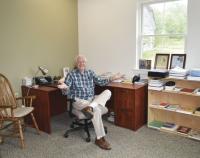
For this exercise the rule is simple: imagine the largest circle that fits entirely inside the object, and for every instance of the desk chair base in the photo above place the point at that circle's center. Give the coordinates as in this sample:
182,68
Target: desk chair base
77,125
80,124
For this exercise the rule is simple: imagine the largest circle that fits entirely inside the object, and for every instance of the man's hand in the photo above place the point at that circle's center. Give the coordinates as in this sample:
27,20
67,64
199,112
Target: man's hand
116,77
62,80
62,86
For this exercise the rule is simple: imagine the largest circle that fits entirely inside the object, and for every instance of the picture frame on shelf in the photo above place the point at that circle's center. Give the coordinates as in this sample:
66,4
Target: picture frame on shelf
161,61
177,60
144,64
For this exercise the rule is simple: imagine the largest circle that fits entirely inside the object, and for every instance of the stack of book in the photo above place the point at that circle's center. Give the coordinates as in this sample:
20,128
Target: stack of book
197,111
172,107
187,90
197,91
160,105
178,73
185,110
177,89
167,126
156,85
156,124
163,105
183,130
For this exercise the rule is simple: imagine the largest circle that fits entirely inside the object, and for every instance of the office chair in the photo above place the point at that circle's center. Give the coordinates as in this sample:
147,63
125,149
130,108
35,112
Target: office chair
13,110
80,121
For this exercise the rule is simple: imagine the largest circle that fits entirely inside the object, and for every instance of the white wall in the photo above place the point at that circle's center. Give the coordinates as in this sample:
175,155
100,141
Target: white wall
107,34
193,40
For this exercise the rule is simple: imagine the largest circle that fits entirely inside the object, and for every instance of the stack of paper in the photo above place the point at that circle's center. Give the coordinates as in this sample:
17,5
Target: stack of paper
194,74
156,85
178,72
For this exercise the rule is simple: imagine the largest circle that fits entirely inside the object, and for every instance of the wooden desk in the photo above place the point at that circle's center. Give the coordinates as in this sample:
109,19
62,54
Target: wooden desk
49,102
129,102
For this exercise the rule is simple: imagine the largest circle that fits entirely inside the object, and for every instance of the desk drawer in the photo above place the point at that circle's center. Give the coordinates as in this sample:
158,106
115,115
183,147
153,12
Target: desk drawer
125,118
124,99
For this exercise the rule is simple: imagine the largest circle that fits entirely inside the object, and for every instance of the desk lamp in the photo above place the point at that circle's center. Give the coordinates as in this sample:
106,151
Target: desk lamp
41,69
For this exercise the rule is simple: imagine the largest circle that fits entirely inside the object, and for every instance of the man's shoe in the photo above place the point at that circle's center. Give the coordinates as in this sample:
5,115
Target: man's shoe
102,144
106,142
87,111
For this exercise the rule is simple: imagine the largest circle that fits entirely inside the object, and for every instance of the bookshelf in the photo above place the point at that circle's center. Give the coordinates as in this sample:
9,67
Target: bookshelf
185,103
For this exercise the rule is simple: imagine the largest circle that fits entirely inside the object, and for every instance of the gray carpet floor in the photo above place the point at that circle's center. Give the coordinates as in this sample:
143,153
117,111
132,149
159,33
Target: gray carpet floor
144,143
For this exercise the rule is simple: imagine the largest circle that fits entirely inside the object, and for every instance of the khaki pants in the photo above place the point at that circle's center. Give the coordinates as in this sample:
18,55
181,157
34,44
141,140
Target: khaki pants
98,105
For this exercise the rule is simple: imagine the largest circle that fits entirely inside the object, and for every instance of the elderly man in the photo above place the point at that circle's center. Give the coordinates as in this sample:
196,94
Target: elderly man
81,83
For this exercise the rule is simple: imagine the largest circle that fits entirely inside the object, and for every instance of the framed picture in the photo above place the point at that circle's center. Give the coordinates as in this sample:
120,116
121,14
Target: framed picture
161,61
65,71
177,60
144,64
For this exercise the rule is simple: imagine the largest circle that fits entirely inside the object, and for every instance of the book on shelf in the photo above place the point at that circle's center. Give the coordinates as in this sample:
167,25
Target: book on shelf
194,134
172,107
183,130
197,91
159,105
185,110
187,90
163,105
177,89
169,126
155,124
197,111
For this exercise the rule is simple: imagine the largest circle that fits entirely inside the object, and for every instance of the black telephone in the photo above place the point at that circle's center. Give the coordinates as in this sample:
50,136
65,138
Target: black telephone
136,78
41,80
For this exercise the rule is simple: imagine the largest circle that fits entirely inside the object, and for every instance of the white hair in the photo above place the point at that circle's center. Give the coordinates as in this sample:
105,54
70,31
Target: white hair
80,57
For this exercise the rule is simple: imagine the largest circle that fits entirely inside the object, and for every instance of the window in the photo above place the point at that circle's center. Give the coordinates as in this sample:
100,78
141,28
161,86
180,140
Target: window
163,28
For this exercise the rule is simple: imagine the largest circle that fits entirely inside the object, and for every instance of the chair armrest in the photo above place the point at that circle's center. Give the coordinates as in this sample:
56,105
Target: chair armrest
26,97
6,106
27,100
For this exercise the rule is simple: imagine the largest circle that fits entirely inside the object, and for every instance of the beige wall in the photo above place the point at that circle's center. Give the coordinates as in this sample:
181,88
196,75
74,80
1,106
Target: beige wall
37,32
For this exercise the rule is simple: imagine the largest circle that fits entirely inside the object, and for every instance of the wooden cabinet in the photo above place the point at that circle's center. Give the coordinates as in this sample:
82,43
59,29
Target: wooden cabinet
128,101
186,102
49,102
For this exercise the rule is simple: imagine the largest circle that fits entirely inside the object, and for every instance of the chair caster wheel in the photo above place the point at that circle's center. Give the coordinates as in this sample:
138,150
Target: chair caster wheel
66,134
87,139
106,130
1,140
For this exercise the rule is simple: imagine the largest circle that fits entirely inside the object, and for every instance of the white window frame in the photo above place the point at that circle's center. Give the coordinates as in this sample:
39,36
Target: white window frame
140,5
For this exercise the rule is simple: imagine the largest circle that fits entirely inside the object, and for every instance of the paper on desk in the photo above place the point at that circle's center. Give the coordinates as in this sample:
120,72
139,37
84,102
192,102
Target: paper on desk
117,81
